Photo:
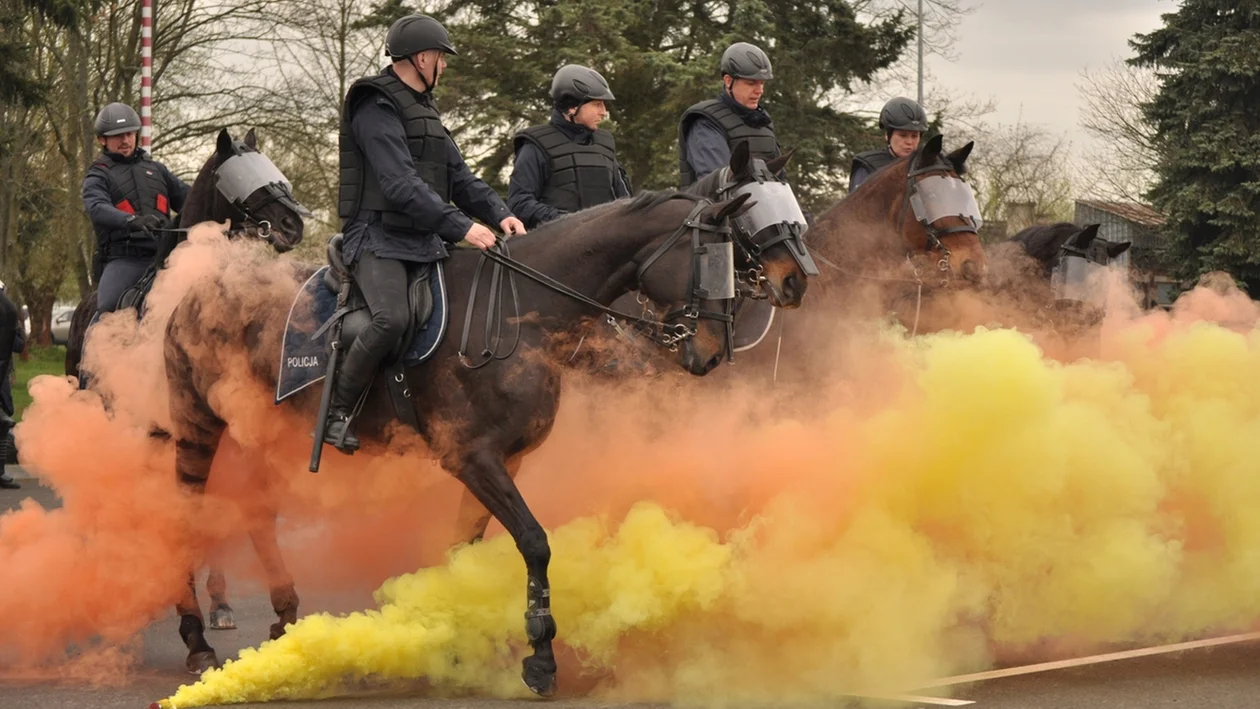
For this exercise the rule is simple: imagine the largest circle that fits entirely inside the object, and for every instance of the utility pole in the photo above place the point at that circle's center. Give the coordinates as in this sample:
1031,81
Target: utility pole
920,52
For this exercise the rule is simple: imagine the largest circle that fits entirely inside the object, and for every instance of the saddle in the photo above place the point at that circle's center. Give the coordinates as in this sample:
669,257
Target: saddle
354,314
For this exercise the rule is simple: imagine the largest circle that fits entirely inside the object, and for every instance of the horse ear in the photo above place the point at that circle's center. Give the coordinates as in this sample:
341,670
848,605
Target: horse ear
251,140
776,165
730,209
224,145
958,158
741,161
929,152
1115,249
1085,237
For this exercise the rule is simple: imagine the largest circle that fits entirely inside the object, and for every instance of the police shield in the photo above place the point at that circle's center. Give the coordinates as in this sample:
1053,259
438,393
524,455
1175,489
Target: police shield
716,266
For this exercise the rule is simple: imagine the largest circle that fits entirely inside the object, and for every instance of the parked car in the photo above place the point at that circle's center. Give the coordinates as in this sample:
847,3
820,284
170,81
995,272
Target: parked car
62,315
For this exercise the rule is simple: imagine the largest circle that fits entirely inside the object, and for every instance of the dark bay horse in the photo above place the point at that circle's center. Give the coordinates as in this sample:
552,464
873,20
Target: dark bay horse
264,214
478,421
1032,274
269,212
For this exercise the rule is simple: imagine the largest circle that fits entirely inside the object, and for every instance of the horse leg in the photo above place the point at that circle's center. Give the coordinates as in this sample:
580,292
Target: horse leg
284,598
485,474
192,629
470,525
197,431
221,617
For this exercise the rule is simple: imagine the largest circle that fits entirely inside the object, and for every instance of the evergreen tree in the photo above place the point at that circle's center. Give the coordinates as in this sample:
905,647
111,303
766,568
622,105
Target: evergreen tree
1206,116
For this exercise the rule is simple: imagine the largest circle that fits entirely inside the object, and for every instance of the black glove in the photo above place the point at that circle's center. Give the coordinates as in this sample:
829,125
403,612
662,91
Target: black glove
147,222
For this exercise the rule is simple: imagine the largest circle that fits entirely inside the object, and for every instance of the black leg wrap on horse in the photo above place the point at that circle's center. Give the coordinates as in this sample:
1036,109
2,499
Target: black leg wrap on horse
192,630
540,627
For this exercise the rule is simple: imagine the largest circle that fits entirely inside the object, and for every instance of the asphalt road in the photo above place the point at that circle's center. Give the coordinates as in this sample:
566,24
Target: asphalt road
1223,677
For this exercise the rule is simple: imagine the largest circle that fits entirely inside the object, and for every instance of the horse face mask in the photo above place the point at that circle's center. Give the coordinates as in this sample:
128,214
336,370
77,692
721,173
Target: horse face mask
246,173
776,210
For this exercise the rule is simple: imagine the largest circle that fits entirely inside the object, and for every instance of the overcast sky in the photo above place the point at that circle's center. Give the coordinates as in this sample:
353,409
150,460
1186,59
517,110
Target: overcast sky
1027,55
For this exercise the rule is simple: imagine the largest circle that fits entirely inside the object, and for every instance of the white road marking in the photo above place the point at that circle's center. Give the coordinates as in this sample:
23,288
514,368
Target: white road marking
1090,660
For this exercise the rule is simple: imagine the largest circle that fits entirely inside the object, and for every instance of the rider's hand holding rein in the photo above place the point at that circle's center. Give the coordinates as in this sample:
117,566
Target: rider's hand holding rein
511,226
480,236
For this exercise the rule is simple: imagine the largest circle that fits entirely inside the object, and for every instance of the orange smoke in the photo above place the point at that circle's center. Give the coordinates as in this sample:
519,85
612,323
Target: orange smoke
717,452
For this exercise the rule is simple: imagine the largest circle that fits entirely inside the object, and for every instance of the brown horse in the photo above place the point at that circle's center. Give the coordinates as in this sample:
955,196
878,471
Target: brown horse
906,235
479,418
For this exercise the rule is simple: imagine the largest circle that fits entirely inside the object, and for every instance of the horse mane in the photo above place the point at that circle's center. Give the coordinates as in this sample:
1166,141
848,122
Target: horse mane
649,199
1043,241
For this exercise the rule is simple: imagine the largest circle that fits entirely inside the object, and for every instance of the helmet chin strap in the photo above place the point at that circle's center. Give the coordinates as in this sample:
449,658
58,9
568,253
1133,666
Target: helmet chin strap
420,73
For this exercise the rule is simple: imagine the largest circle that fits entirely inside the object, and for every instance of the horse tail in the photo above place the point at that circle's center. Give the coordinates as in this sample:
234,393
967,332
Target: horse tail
83,314
195,426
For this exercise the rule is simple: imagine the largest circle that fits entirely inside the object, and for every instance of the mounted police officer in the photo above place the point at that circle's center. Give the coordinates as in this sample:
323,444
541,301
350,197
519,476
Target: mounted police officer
568,164
400,172
128,197
710,129
903,121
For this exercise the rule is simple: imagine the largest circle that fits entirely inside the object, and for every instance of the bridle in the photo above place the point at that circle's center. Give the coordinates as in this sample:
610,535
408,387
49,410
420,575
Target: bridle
249,182
750,278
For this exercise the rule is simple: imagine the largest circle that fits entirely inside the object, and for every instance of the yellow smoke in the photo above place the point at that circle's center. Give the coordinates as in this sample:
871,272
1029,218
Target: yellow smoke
968,501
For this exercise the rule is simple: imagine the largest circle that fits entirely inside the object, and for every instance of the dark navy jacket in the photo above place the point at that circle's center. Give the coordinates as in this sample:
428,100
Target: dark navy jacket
532,170
378,132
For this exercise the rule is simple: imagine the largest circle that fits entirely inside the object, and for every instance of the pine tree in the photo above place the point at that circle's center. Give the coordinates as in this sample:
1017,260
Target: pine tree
1207,120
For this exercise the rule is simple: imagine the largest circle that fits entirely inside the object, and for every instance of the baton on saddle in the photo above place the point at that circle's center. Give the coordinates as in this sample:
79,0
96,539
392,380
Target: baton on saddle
325,399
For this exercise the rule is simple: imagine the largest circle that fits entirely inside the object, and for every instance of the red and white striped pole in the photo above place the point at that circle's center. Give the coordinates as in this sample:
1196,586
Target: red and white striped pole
146,73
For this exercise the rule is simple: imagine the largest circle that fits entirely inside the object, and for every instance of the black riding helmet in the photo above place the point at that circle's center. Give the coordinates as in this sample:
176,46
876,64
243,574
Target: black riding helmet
746,61
116,119
575,84
414,34
903,114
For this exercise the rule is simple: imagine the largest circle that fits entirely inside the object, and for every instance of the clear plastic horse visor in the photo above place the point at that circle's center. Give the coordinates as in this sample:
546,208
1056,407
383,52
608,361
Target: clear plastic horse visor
1077,278
775,204
242,175
939,196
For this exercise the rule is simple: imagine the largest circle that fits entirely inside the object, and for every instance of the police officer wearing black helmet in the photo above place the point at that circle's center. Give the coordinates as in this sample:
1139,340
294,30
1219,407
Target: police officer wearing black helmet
400,174
568,164
128,197
710,129
903,122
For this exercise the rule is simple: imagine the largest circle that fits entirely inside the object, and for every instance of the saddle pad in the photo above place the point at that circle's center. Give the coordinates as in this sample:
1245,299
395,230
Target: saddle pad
303,359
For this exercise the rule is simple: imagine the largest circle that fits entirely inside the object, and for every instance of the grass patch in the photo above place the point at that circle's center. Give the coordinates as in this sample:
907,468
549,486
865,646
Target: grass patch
41,360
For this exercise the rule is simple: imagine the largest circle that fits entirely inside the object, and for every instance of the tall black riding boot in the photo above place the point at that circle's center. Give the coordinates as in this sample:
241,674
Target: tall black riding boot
353,376
6,482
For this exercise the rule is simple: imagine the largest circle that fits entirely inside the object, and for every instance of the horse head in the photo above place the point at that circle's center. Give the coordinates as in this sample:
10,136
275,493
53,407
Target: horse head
690,274
251,191
771,258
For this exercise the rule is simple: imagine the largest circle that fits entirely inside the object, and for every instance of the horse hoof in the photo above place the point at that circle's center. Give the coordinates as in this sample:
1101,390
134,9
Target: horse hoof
221,618
199,662
540,677
277,630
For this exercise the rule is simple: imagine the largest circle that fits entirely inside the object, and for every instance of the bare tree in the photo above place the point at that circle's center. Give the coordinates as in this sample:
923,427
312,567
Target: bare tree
1022,164
1124,156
